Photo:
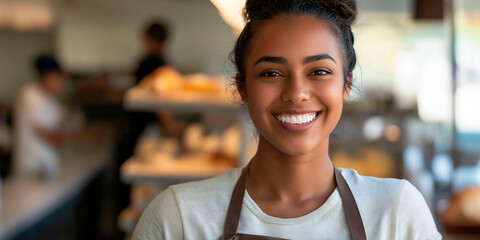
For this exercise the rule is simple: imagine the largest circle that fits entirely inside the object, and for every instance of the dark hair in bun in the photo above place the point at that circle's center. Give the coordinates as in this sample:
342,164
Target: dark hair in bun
343,11
339,14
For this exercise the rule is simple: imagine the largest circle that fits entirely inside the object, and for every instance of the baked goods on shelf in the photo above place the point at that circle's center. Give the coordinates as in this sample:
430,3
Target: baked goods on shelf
230,144
463,212
200,154
167,80
149,146
227,143
202,83
369,162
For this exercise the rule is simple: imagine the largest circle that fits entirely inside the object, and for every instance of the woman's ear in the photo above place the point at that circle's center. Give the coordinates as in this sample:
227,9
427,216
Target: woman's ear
241,87
348,86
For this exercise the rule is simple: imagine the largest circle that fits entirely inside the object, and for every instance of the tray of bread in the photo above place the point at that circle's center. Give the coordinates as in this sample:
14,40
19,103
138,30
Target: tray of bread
199,154
167,89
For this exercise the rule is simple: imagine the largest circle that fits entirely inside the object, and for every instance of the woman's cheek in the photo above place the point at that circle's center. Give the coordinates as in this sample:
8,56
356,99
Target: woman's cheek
261,93
331,93
260,96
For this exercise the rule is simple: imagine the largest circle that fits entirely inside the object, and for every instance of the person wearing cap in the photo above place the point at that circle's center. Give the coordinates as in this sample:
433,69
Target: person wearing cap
39,120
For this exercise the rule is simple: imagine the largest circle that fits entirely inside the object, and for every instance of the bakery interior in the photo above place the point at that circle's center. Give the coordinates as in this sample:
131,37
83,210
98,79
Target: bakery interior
412,113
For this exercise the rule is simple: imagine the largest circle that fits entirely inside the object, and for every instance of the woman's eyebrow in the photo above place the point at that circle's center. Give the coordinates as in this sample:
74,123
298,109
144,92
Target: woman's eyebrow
314,58
281,60
270,59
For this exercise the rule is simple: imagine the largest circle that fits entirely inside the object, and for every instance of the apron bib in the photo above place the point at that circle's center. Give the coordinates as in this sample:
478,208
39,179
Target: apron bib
355,223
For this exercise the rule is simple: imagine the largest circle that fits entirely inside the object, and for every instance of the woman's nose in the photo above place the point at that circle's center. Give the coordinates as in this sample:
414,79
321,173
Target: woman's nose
296,89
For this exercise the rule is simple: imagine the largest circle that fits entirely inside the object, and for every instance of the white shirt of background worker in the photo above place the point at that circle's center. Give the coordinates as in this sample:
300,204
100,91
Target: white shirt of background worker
38,121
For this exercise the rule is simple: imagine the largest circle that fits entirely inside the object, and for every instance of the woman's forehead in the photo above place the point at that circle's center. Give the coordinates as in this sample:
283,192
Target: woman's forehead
292,37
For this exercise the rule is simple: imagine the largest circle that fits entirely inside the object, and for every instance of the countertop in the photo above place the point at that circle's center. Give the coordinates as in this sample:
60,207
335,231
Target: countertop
27,200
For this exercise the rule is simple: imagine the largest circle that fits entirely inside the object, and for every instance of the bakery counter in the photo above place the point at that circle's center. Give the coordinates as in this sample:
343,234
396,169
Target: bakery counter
27,200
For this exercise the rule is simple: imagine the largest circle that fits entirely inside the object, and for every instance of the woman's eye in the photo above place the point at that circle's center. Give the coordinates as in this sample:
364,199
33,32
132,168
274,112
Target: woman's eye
270,74
319,72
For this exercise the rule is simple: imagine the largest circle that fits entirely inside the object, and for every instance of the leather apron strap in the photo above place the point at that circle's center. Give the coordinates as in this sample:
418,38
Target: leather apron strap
354,220
235,206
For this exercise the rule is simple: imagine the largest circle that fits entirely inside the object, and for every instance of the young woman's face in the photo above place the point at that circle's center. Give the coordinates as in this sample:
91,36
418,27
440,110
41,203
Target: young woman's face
294,83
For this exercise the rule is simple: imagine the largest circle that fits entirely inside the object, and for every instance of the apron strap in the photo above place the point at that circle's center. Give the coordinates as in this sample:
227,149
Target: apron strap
235,207
354,219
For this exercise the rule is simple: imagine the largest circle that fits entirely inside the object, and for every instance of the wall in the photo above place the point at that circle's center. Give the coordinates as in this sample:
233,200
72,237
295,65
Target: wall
98,35
17,53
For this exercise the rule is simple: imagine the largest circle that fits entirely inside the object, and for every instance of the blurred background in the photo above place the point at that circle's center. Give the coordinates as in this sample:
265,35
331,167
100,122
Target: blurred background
103,104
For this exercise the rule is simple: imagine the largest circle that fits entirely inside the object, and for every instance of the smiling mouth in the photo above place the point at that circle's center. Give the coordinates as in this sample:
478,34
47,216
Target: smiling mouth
297,118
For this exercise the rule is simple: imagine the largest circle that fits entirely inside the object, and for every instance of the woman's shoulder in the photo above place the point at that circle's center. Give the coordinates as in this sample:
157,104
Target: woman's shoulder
394,204
188,205
389,190
202,197
367,186
198,193
373,194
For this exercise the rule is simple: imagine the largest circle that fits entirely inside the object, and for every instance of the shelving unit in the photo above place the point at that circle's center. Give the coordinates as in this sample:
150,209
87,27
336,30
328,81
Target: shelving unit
140,172
139,99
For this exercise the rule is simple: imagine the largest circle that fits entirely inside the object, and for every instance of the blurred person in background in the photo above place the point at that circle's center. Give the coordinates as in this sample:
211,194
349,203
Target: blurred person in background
39,121
155,42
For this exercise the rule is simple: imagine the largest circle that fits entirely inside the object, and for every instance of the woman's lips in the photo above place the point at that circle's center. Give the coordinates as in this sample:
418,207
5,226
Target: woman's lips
297,122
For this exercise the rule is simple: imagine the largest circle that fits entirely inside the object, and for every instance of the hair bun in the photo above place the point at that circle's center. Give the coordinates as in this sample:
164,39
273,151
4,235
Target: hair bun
254,9
345,11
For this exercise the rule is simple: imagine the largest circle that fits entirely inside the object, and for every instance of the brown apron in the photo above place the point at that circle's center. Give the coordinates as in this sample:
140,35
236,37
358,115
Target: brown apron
355,223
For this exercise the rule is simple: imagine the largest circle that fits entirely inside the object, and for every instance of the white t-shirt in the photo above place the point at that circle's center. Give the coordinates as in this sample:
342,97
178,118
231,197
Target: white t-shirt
34,108
390,209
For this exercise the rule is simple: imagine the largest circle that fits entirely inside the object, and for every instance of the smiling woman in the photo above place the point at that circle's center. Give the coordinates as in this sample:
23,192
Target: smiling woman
294,61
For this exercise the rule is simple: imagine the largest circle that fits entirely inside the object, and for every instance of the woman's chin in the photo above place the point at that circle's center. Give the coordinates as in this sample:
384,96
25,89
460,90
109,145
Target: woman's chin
293,147
295,150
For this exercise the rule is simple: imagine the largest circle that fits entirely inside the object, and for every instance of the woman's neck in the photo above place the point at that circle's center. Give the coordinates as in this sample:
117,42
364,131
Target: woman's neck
275,176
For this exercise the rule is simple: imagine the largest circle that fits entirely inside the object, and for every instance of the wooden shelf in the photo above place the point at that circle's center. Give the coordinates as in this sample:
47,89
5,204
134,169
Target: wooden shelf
166,171
140,99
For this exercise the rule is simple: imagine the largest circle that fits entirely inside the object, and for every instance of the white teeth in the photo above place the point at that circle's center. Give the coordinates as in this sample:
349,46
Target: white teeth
296,119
